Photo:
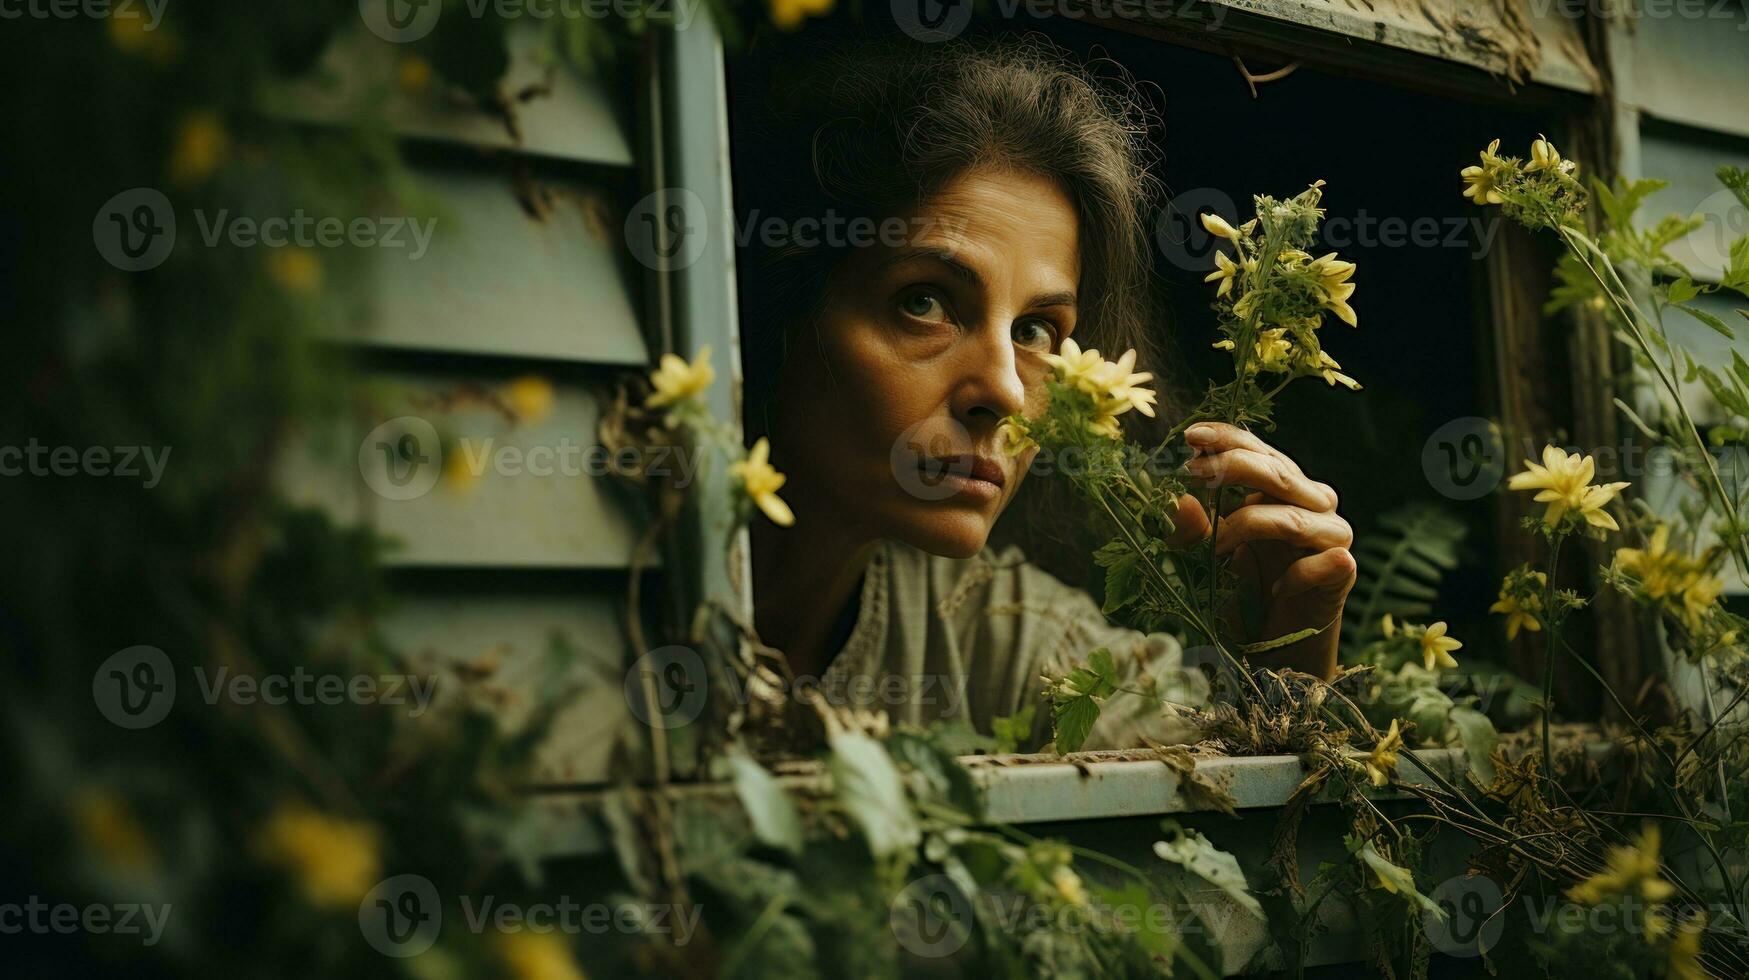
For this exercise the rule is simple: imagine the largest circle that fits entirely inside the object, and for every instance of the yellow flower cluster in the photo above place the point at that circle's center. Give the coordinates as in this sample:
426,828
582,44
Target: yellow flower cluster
1522,604
1632,870
760,481
1113,385
1382,761
1275,350
676,381
1563,481
334,860
1671,577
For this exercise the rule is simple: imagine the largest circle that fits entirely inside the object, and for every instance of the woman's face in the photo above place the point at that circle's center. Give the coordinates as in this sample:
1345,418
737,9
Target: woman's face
889,420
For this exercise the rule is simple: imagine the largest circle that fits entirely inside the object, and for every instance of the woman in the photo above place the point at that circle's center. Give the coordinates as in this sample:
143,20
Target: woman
924,224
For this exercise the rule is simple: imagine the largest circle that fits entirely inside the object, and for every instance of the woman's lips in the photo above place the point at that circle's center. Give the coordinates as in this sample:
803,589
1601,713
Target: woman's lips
978,477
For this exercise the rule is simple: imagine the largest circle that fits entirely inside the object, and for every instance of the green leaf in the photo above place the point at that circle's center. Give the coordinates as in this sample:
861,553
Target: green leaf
868,785
1123,583
1072,720
1392,878
942,776
1682,290
1703,316
769,808
1479,739
1194,853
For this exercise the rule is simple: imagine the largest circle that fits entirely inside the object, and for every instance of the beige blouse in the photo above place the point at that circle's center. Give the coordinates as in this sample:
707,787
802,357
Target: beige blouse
944,639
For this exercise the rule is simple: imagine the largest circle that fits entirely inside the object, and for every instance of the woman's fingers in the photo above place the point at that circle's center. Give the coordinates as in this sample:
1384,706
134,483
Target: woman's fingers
1272,473
1190,524
1214,437
1331,571
1294,526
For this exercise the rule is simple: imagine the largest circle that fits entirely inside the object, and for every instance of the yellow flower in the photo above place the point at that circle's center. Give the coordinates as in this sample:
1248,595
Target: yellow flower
1482,182
1436,647
1684,961
138,35
1121,386
1014,436
412,74
1105,425
538,956
1081,368
1564,483
1272,350
1698,596
1327,367
1520,613
333,860
761,483
675,380
1631,870
1218,227
530,398
1068,885
1382,761
200,147
789,14
1544,156
1388,626
295,269
107,828
1226,273
1333,282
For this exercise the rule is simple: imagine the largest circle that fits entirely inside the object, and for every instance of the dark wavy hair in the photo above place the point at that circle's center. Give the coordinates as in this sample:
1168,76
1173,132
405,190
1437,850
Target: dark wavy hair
871,128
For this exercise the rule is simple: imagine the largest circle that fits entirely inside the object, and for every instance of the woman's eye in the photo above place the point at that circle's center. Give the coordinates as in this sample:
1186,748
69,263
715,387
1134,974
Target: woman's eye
1035,334
923,305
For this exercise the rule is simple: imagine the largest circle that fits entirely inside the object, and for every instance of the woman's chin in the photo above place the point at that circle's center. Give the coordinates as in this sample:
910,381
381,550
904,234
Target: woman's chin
950,533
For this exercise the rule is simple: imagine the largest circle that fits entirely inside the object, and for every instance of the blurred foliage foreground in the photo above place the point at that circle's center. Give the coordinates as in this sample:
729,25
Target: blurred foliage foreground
383,831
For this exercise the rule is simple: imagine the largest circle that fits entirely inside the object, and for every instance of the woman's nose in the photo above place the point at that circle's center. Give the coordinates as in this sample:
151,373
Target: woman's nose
990,387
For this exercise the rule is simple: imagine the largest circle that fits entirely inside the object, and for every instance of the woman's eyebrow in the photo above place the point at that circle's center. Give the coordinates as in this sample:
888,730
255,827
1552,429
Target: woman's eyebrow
959,269
970,275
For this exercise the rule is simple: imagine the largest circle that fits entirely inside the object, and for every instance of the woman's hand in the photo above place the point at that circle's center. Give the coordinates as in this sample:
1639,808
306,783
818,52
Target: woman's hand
1286,539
